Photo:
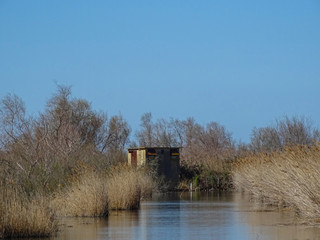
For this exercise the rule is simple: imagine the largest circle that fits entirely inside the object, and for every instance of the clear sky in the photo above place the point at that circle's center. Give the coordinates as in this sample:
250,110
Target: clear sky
239,63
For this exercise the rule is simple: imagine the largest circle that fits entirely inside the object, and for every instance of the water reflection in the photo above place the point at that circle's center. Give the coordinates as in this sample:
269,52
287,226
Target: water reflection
81,228
185,216
121,225
272,223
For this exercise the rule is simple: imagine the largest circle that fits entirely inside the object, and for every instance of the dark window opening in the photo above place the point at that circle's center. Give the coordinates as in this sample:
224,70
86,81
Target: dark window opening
151,152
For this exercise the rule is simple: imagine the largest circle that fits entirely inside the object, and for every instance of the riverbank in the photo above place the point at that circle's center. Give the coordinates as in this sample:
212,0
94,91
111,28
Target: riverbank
287,178
88,194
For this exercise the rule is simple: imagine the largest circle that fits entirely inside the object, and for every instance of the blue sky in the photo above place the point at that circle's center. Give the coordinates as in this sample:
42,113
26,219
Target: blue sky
239,63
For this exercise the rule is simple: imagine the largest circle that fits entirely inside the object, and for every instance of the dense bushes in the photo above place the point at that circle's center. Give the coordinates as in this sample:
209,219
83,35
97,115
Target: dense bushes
206,151
285,132
41,152
39,155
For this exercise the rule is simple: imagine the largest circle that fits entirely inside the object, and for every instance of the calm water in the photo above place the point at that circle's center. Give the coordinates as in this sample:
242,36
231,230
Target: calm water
185,216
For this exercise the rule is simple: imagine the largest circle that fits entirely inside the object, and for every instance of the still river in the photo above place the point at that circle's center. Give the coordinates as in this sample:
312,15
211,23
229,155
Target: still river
191,216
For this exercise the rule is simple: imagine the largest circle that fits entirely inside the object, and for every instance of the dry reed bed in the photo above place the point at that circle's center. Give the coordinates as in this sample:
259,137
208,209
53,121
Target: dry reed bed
127,186
92,194
285,178
89,194
24,216
86,196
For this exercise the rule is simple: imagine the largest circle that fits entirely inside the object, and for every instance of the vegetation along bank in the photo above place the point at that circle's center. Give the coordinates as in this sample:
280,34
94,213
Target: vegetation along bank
70,160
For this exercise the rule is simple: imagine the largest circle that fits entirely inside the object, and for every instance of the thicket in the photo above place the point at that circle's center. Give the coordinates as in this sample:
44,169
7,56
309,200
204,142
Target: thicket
285,132
206,151
39,155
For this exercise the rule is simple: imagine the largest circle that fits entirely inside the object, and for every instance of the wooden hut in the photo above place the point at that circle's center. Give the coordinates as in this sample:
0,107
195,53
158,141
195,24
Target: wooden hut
166,161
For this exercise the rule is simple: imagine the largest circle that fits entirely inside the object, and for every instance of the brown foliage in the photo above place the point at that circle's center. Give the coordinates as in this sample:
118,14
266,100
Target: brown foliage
286,132
206,151
40,153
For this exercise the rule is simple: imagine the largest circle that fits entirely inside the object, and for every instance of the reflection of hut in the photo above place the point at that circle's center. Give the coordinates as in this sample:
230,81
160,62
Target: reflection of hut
165,159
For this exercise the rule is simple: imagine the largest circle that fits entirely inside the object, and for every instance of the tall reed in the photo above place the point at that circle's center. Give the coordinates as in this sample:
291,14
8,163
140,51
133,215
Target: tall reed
86,196
92,193
25,216
284,178
127,185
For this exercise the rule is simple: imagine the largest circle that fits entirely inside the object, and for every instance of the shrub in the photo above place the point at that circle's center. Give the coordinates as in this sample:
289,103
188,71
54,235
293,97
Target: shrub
286,132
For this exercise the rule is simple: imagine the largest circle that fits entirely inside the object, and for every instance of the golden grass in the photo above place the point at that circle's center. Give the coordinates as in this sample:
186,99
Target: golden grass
93,194
127,185
85,197
285,178
89,194
22,216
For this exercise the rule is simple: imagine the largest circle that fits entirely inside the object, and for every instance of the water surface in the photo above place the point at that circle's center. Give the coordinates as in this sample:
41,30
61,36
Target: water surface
191,216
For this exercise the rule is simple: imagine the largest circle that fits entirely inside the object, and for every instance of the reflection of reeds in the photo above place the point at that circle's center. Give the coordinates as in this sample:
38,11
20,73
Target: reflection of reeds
25,216
285,178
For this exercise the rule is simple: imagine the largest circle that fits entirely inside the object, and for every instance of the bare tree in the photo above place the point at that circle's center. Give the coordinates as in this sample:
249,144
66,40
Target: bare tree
160,133
286,132
41,152
192,131
178,130
208,146
20,148
13,122
265,139
87,122
63,136
146,135
296,130
115,135
165,134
